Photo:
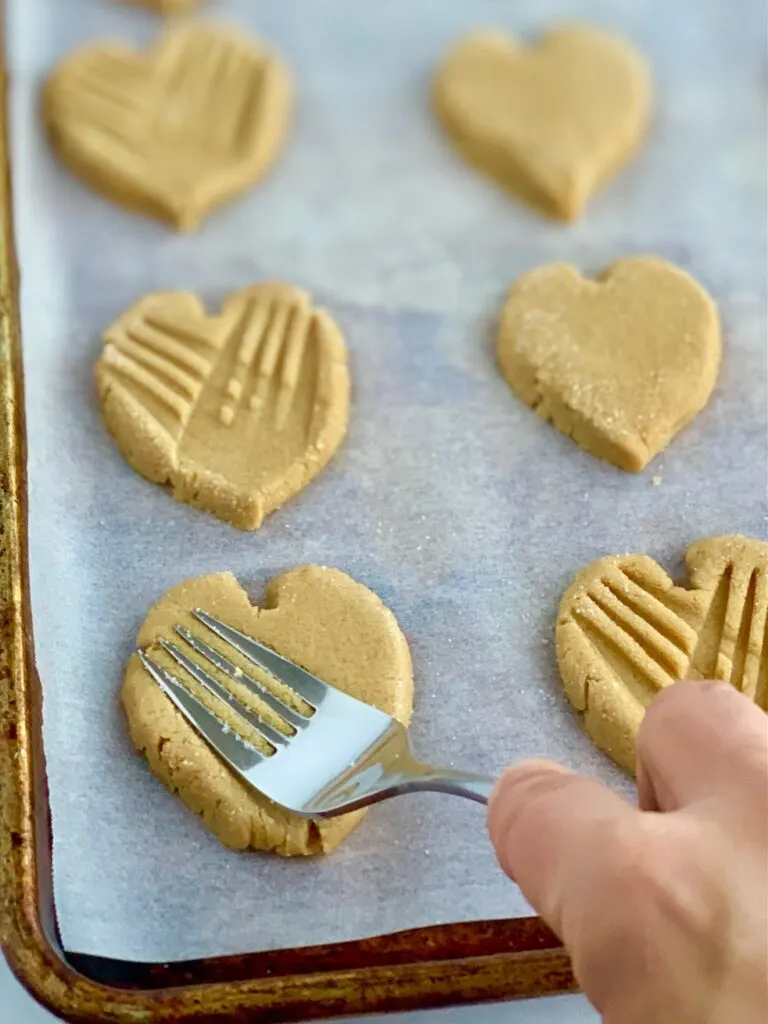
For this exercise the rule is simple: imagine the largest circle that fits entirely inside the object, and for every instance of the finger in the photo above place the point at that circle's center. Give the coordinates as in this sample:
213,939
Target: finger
549,828
698,740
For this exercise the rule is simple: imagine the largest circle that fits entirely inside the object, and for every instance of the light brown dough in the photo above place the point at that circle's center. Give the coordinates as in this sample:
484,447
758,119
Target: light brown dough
620,363
174,131
317,617
625,631
550,122
236,412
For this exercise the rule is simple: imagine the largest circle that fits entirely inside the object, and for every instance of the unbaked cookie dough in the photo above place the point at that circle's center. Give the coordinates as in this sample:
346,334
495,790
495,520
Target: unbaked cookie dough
620,363
551,121
319,618
625,631
235,412
174,131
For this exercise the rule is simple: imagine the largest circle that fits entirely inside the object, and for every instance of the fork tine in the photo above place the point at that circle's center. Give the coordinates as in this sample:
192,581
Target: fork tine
272,735
293,718
219,736
308,687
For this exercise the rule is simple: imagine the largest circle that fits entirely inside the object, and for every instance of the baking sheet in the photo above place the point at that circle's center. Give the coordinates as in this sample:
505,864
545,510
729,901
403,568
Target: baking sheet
450,499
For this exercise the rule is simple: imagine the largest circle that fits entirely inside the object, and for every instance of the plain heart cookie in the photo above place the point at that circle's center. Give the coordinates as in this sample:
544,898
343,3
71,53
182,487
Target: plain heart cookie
550,122
318,617
236,413
177,130
625,631
620,363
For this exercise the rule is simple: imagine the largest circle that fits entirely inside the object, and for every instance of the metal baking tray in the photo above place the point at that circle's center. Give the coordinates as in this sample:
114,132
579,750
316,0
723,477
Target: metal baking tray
527,510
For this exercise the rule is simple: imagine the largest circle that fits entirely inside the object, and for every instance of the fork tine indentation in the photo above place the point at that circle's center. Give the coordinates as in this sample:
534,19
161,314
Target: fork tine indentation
292,717
303,683
248,333
217,734
262,728
292,356
252,326
275,340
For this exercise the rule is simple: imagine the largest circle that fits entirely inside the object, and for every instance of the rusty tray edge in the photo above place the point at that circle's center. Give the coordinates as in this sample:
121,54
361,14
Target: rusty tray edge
418,969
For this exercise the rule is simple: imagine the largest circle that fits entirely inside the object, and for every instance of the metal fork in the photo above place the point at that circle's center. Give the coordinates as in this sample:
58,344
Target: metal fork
342,754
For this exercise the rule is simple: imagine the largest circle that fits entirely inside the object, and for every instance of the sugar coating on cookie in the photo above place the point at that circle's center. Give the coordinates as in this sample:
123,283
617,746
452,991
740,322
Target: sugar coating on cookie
318,617
550,121
619,363
176,130
625,631
236,412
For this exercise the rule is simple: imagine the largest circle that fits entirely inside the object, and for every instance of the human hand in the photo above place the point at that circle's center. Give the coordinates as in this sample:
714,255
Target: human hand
663,908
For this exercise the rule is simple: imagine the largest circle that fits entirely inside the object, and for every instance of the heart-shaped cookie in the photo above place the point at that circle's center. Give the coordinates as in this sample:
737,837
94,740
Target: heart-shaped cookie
236,412
174,131
625,631
620,363
549,122
319,618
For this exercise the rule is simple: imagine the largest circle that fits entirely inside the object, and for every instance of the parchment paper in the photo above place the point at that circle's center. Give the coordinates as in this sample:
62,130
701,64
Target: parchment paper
450,499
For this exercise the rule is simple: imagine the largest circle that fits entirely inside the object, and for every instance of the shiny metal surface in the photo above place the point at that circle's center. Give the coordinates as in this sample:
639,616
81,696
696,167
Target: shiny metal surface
339,755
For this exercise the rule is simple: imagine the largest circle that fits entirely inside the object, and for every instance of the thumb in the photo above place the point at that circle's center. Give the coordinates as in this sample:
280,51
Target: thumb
548,826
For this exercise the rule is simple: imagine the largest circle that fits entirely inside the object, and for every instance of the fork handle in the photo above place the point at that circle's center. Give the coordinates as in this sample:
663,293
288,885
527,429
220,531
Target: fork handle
444,780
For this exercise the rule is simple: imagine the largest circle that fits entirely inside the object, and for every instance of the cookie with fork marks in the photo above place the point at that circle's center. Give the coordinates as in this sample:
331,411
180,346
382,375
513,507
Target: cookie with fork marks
236,412
318,617
625,631
174,131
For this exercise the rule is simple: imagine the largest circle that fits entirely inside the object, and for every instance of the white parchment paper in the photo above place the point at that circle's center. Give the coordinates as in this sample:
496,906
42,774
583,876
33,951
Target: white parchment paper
450,499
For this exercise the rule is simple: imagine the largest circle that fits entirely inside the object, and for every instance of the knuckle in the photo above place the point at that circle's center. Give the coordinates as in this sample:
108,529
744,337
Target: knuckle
633,873
661,879
660,903
622,946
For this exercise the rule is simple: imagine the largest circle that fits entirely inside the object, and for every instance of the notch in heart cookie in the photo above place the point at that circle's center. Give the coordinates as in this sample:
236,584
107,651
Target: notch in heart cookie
625,631
318,617
235,412
177,130
620,363
551,121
